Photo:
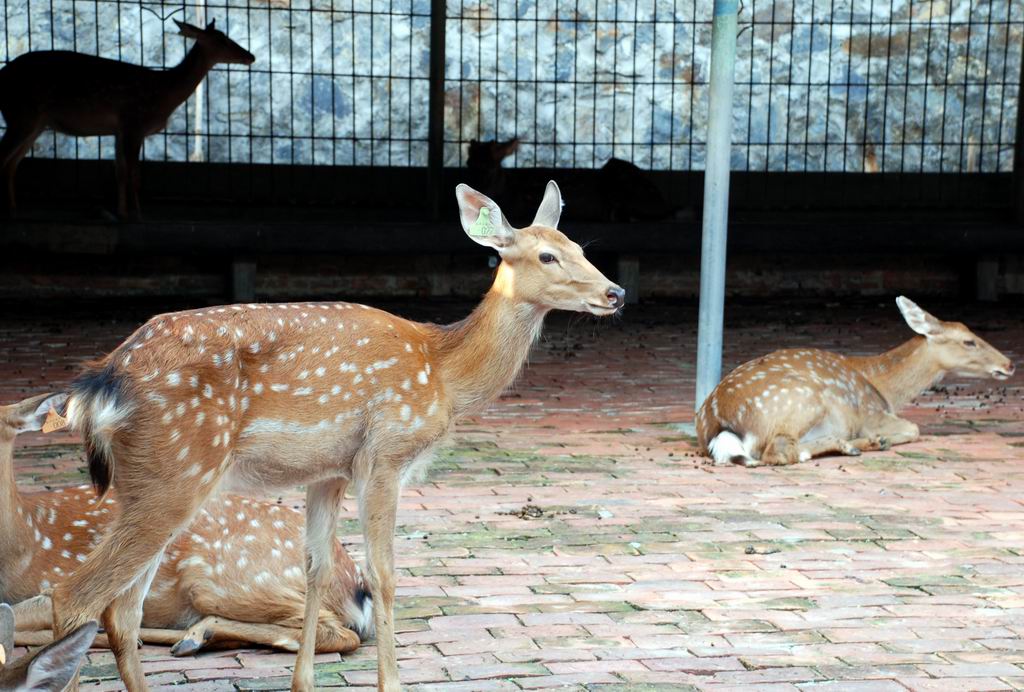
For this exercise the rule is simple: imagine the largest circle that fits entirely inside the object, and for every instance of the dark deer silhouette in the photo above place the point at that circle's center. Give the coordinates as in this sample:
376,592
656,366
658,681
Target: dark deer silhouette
85,95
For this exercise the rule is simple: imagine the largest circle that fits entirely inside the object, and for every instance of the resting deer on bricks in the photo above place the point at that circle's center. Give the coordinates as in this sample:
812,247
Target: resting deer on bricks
236,575
85,95
314,394
49,669
796,404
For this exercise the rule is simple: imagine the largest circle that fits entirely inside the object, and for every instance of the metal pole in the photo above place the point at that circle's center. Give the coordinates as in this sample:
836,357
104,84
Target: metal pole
716,201
1018,155
435,117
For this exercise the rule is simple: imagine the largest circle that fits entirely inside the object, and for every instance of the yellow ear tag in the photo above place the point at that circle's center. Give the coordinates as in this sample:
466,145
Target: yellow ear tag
482,225
3,655
54,421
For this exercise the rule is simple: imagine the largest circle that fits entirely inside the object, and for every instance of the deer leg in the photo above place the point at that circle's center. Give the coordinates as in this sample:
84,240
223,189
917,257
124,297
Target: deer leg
830,445
378,507
218,632
33,614
131,147
884,430
781,451
16,143
125,555
122,619
322,503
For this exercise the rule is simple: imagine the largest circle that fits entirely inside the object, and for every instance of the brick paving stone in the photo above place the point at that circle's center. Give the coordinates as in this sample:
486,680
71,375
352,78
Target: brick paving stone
650,570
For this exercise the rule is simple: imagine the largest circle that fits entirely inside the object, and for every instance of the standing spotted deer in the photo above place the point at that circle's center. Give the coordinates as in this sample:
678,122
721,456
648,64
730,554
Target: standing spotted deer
796,404
314,394
47,670
85,95
235,575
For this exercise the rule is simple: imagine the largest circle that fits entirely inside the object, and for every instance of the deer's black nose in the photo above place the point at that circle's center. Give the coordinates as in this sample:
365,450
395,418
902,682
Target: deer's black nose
616,296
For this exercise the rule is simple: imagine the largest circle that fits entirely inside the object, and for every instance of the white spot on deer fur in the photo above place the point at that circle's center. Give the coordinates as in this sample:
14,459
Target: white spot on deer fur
65,554
175,434
207,391
408,348
421,377
279,387
183,453
363,341
193,470
67,537
303,375
179,410
335,390
174,379
303,391
405,412
323,398
47,543
200,417
357,379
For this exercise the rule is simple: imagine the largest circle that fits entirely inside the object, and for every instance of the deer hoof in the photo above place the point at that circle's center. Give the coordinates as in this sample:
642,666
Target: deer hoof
189,646
186,647
884,443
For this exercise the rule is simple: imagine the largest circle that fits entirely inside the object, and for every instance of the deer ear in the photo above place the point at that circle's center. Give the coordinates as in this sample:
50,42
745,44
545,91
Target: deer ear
186,29
482,219
212,25
54,665
550,209
917,319
6,633
33,411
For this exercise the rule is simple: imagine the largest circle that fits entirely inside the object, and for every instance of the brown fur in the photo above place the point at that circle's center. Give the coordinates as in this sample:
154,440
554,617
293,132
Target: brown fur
796,404
240,560
319,394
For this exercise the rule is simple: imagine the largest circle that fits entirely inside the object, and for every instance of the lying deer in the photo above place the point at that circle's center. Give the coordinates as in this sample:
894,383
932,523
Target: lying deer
797,404
315,394
49,669
234,576
85,95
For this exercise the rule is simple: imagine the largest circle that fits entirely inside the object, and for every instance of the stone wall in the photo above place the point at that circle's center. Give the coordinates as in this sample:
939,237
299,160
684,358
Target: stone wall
842,85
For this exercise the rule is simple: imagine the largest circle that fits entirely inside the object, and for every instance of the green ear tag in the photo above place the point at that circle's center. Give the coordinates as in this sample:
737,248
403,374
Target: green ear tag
482,225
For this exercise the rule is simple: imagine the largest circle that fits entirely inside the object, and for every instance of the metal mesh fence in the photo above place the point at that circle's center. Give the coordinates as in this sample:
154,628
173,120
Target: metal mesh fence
821,85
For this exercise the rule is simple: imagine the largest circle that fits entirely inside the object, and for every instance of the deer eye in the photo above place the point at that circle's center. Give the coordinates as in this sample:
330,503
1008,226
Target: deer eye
547,258
970,343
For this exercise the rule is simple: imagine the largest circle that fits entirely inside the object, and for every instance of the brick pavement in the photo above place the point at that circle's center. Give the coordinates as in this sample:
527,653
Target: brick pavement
648,569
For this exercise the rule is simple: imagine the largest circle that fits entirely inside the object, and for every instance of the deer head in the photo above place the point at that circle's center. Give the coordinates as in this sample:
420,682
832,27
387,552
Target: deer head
955,347
217,45
28,415
539,265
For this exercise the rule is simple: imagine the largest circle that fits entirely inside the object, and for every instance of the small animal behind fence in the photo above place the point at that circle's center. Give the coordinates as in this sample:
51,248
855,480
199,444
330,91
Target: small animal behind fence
796,404
235,576
85,95
49,669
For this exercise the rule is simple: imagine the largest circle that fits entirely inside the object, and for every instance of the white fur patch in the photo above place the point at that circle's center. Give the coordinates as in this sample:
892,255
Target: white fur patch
726,445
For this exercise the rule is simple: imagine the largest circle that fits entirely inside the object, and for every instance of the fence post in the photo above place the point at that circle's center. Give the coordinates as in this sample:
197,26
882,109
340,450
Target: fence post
716,201
435,127
1018,154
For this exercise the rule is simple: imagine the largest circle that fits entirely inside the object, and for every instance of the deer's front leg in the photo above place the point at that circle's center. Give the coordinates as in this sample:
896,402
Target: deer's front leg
322,502
129,145
884,430
379,505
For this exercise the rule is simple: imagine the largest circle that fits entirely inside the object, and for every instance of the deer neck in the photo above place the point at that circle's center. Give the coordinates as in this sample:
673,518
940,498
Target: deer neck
15,536
902,373
481,355
184,77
